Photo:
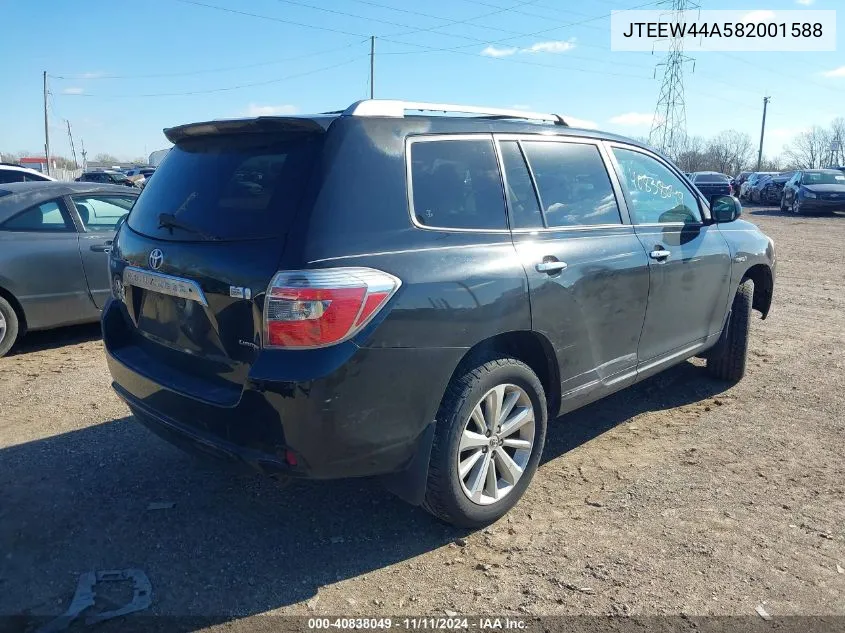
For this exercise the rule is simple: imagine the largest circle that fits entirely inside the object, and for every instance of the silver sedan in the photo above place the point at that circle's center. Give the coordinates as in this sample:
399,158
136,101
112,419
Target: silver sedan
54,244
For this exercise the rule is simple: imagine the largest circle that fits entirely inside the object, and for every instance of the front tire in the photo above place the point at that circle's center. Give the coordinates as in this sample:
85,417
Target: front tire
8,326
796,207
728,361
489,435
783,204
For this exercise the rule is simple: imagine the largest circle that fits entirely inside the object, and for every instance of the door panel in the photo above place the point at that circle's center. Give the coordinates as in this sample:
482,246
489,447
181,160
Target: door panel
39,250
689,260
587,271
97,215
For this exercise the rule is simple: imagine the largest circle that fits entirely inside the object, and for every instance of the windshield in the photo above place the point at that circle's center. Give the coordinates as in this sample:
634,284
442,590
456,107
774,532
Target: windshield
232,187
823,178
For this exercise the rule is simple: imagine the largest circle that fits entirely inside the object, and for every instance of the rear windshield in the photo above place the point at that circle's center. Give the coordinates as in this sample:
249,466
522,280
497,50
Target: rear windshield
226,187
710,178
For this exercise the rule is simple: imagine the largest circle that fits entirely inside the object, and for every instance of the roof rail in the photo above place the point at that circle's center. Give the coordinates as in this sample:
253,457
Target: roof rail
393,108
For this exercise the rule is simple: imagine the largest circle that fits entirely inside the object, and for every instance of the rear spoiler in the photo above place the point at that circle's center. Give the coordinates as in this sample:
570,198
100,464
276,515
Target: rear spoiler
243,126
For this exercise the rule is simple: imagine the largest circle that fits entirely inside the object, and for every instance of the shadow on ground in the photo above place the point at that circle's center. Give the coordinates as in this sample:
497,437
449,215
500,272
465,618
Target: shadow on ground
232,545
59,337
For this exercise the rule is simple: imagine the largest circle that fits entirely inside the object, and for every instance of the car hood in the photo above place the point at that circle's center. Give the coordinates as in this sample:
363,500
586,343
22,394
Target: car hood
825,188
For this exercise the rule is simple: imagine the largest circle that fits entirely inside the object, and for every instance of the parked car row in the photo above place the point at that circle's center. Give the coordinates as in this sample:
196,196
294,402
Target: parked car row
803,191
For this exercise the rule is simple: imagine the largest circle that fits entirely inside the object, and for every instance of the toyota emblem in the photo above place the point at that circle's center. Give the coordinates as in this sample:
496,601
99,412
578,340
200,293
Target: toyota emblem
156,258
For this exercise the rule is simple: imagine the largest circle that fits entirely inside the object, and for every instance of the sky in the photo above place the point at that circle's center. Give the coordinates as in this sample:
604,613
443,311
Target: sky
121,72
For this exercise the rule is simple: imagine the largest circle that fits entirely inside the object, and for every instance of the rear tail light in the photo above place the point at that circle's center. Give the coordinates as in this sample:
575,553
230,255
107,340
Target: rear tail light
321,307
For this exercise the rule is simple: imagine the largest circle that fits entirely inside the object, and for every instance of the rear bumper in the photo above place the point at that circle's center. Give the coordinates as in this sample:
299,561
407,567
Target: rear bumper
343,411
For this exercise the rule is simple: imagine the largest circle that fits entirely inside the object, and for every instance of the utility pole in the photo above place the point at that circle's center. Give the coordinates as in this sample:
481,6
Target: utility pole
46,129
72,148
372,66
762,132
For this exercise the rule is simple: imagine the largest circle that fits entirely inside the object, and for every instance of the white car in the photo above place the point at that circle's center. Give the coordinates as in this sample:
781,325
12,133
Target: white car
16,173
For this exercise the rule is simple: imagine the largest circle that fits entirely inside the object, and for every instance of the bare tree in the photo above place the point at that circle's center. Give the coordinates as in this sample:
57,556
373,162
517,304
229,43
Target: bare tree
810,149
729,151
105,158
691,155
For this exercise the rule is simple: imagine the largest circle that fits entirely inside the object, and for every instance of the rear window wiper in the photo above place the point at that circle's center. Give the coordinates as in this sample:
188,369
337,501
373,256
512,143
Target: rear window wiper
170,221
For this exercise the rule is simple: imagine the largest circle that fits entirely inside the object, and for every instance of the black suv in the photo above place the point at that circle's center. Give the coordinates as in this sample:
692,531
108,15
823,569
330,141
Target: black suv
373,292
106,177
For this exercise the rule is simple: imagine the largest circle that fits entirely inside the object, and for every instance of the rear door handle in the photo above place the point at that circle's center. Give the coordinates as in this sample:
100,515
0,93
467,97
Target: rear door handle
550,267
659,253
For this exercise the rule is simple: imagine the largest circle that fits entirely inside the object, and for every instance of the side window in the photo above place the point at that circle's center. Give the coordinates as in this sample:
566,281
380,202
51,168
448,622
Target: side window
10,176
573,183
45,217
657,195
101,213
522,200
456,184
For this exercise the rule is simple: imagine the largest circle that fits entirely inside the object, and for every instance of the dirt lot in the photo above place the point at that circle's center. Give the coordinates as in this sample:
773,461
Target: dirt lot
679,495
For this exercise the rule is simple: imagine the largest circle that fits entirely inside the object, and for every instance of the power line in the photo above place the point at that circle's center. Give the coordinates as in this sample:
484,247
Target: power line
213,70
226,88
532,34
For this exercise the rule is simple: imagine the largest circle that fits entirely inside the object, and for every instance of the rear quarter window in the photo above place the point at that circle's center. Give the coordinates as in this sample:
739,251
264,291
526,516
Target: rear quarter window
456,184
232,187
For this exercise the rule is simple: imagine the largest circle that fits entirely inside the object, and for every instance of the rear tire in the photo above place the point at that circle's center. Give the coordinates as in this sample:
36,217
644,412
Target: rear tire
8,326
458,441
728,361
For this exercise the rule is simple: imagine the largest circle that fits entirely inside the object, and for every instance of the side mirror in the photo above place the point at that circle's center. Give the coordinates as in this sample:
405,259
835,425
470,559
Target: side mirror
725,208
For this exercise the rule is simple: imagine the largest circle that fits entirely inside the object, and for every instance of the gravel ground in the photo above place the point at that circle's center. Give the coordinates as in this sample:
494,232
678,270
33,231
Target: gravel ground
680,495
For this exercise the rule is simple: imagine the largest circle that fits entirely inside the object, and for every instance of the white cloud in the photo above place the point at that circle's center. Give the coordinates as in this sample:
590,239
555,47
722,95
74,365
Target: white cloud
582,123
633,119
556,46
836,72
92,75
806,3
520,106
73,90
269,110
763,15
492,51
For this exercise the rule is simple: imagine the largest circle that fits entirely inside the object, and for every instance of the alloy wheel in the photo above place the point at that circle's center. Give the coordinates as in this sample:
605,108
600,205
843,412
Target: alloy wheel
2,327
496,444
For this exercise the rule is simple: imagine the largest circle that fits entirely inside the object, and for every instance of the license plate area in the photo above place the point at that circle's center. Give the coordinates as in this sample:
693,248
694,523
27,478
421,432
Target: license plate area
164,284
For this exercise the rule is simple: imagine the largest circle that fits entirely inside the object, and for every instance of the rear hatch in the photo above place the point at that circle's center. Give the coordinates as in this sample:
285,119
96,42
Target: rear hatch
713,185
201,245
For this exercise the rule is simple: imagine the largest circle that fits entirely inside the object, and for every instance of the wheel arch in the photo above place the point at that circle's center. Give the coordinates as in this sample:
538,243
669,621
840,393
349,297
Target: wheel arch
17,307
532,348
764,282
